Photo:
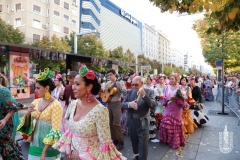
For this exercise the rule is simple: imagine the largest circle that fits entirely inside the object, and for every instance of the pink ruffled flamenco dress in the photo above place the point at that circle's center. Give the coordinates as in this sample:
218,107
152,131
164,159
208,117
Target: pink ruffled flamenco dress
171,129
90,136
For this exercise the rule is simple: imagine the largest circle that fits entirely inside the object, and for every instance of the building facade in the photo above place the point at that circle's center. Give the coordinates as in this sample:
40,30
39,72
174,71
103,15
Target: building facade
176,57
115,26
163,48
150,42
38,18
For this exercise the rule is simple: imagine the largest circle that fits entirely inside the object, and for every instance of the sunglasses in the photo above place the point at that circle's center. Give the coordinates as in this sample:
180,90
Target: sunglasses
134,85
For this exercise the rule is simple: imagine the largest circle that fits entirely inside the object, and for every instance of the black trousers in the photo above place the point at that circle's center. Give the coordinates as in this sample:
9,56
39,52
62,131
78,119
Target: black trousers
139,135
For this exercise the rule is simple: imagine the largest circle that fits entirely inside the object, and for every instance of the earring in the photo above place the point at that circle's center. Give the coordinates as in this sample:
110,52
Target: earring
47,95
88,97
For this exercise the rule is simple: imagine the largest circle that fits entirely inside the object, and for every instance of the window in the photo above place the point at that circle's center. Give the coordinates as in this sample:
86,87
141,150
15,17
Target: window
36,23
74,11
47,12
66,18
7,8
0,8
56,14
18,7
36,37
73,23
57,2
8,21
66,5
36,9
56,27
74,2
17,22
66,30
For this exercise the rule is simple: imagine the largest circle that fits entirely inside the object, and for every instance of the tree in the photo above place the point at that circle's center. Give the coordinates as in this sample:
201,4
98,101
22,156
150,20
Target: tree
10,35
226,12
91,45
213,43
53,43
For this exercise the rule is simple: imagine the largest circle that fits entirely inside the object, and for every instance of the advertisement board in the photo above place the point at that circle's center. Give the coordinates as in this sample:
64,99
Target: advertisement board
19,75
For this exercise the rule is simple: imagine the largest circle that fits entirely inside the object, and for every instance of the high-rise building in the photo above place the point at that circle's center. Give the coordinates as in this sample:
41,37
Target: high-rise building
176,57
163,48
37,18
115,26
150,42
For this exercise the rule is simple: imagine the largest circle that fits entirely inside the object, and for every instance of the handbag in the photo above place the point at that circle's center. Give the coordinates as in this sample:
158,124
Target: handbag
74,155
30,137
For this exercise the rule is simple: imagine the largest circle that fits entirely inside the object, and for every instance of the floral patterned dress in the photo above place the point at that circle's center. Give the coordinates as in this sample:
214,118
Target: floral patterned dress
90,136
8,148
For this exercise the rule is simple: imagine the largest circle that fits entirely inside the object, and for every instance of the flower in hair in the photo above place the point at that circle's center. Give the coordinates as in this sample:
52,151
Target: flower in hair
58,76
44,75
83,70
90,75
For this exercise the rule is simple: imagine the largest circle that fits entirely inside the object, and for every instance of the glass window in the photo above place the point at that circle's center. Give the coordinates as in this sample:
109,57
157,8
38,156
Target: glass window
74,11
66,5
56,27
36,9
36,37
73,23
18,22
18,7
36,23
66,18
57,2
66,30
56,14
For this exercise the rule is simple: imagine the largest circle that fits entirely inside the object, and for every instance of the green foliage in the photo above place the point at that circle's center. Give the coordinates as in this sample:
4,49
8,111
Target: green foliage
10,34
53,43
216,46
226,12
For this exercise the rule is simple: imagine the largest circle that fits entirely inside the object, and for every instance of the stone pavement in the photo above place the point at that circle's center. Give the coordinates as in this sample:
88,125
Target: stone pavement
203,144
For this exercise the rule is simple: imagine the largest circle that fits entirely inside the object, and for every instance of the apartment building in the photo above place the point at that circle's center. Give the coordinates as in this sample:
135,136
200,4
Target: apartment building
176,57
150,42
163,48
37,18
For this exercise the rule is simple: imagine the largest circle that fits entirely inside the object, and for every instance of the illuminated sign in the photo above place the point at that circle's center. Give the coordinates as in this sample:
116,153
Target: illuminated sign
129,17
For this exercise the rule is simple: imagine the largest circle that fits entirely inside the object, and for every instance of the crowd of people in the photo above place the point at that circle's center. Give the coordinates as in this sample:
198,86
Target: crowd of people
88,118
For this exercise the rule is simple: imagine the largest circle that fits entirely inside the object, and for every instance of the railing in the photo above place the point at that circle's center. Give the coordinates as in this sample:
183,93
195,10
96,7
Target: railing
231,100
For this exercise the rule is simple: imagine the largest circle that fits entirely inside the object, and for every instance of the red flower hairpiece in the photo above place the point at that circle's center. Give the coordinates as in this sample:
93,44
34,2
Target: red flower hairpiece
90,75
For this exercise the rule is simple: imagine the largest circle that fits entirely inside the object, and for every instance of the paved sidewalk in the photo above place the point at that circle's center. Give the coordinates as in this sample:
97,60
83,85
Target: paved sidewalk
203,144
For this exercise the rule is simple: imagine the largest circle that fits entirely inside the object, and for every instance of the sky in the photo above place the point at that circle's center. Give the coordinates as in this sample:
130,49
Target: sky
177,28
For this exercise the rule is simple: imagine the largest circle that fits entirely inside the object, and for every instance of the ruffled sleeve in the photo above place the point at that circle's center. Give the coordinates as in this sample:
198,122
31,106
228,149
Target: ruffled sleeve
54,134
107,148
7,101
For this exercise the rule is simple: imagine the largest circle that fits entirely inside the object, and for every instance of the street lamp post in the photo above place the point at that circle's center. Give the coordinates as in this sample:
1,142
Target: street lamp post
80,34
137,59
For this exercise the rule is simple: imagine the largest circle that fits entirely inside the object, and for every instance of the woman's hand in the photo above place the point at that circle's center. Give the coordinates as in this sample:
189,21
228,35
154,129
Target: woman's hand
2,123
172,98
43,156
31,109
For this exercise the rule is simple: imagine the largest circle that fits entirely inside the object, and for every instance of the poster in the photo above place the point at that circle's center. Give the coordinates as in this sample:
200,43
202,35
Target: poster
19,75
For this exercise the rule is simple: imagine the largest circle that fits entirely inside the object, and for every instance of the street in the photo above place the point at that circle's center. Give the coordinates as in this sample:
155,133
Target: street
203,144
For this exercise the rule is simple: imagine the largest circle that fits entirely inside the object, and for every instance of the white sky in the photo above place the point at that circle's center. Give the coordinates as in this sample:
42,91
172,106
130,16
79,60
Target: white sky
178,29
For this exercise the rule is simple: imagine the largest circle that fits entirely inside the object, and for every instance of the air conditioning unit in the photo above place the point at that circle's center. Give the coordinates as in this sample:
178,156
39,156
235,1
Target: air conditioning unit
45,26
13,10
